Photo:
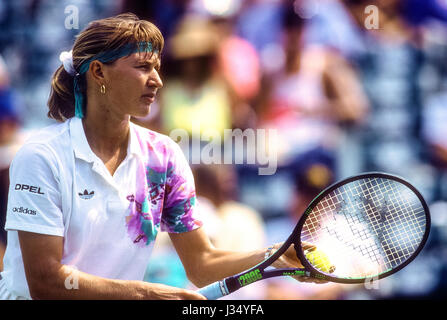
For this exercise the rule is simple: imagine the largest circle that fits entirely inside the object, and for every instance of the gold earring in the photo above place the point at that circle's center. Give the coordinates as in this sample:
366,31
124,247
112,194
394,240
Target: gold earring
103,89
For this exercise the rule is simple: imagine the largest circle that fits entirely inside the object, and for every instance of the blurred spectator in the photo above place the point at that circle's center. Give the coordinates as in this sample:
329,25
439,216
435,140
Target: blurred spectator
314,93
309,174
433,81
196,94
9,145
310,101
313,171
217,191
240,67
389,66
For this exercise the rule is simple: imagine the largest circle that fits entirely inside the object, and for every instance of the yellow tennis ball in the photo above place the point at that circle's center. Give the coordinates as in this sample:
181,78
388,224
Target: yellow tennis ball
320,261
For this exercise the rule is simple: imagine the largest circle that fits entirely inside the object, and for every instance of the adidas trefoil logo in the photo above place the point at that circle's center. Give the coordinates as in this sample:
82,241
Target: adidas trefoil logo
86,195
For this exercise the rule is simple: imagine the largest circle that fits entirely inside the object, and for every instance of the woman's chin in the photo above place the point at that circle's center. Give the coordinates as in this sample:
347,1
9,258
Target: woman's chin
143,111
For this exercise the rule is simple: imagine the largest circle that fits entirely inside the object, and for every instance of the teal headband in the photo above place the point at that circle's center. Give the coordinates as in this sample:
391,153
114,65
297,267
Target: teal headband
104,57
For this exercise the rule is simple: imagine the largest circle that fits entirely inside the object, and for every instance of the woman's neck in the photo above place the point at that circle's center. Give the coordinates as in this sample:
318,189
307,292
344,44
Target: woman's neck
107,136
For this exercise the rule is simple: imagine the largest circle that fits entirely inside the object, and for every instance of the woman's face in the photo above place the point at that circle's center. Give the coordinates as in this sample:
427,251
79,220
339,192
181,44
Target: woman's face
132,83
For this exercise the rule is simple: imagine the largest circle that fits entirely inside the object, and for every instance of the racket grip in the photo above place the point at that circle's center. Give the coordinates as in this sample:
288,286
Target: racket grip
214,290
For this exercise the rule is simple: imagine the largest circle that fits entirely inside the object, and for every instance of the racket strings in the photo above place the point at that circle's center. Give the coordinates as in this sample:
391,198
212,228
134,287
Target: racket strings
368,226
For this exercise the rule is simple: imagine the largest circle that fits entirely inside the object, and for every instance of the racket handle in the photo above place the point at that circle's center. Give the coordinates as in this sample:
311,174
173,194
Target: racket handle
214,290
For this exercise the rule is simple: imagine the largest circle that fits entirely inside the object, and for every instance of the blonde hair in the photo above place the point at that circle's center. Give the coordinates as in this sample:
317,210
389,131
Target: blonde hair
99,36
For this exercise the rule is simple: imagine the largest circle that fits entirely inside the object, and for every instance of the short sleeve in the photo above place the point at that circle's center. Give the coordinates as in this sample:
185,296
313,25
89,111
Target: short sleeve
34,199
180,212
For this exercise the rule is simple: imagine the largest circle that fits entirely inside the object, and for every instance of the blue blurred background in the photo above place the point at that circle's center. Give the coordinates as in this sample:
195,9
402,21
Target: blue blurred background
349,85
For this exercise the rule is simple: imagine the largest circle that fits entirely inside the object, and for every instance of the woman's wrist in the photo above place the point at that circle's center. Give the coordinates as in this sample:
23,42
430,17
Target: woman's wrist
269,252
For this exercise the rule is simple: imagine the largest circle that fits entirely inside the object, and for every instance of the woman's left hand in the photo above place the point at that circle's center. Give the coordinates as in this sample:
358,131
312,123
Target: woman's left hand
289,259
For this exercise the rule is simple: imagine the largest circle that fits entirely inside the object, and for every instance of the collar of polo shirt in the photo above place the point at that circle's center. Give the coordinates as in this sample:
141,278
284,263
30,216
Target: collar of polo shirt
82,149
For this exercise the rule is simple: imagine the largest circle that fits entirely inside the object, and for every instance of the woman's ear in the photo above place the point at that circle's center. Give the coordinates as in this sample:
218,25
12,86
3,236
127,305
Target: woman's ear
97,71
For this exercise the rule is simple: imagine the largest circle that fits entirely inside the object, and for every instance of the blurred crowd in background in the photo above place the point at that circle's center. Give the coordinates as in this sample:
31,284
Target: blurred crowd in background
349,85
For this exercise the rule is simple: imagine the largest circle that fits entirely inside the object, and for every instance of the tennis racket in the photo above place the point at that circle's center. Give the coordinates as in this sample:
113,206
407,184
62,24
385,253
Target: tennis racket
369,226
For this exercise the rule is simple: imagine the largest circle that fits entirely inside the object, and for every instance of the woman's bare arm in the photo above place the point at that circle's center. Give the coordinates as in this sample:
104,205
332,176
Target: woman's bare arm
48,278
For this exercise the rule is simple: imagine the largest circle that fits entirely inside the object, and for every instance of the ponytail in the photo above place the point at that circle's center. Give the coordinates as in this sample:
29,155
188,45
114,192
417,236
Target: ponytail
61,102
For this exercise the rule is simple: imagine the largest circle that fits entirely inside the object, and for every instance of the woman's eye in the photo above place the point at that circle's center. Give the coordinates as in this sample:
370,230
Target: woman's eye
149,67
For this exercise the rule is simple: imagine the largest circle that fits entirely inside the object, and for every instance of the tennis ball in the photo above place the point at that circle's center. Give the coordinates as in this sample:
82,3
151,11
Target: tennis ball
320,261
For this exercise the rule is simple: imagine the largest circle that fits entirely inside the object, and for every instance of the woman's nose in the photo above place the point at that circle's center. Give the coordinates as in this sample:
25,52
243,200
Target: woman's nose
155,79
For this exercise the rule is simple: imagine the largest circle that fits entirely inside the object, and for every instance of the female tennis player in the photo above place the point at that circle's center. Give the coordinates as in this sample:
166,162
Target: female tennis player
88,196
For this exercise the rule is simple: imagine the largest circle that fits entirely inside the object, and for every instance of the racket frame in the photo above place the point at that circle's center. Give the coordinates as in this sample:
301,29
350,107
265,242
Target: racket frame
325,276
259,272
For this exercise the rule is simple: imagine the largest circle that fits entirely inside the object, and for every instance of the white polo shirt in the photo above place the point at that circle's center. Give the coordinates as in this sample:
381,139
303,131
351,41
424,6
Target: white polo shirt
59,187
